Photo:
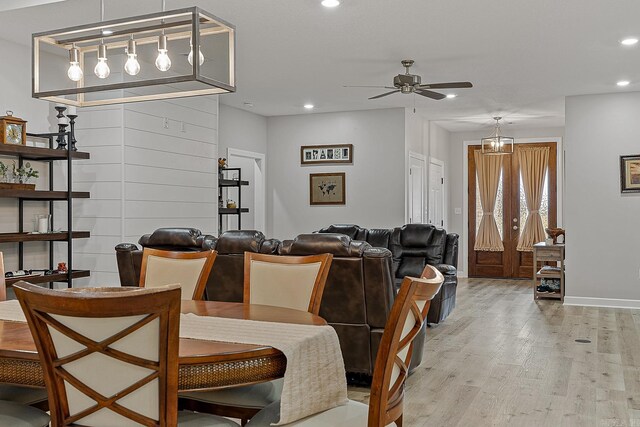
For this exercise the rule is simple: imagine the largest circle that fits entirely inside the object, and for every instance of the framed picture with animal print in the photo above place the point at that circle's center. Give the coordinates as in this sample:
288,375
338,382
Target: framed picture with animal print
327,188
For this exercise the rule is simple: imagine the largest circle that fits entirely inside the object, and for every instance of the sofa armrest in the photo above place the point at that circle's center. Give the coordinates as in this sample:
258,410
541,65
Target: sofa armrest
126,264
446,269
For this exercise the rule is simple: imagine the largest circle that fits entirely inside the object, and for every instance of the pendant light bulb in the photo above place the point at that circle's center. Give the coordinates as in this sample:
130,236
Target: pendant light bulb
132,66
163,62
75,72
200,56
102,70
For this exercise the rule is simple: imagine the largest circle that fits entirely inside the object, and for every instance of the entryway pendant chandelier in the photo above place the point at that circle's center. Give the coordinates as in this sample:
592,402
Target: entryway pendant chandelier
496,143
134,59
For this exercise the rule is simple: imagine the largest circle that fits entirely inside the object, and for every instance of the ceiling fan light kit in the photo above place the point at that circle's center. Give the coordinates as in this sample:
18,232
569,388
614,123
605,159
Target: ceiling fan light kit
408,83
496,144
149,57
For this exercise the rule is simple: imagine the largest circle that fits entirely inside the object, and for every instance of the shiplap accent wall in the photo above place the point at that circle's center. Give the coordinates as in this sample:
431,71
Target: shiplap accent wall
153,164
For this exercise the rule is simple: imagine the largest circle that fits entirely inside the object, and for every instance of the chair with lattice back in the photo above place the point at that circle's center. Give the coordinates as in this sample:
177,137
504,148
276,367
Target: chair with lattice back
109,355
385,407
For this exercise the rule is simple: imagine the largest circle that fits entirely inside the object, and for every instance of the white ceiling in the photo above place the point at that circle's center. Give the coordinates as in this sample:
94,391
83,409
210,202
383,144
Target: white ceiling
523,56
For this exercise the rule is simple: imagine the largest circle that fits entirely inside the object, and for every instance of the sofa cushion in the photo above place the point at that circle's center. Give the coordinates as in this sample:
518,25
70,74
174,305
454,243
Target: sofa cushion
339,245
172,237
354,231
379,237
239,242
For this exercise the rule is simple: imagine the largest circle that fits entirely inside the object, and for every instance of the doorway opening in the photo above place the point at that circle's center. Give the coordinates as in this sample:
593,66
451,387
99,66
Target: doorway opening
253,169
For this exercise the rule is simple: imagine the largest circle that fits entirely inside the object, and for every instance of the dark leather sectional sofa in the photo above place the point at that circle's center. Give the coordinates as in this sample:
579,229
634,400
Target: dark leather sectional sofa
358,294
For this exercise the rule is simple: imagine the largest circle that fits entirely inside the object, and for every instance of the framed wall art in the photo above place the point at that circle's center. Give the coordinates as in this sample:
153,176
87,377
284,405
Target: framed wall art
327,188
630,174
326,154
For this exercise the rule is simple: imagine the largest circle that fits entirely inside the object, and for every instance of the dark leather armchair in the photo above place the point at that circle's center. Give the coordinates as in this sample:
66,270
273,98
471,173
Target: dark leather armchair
416,245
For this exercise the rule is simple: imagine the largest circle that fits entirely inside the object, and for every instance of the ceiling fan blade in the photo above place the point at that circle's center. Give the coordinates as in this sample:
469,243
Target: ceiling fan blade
430,94
378,87
452,85
385,94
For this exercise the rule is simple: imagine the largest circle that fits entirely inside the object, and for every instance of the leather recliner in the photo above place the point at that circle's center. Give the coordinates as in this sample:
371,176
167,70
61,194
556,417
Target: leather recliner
413,246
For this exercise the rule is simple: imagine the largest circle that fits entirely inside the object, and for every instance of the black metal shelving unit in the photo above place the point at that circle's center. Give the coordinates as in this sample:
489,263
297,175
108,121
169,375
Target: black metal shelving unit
40,154
225,183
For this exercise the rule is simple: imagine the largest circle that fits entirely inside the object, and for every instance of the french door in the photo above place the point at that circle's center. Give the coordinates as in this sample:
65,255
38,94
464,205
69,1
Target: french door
510,214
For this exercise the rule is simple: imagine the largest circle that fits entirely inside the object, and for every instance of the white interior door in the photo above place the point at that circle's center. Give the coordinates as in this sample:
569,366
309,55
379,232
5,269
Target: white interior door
436,193
417,166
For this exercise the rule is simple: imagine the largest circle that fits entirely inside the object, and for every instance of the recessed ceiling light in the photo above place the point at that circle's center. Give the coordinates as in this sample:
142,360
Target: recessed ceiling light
309,106
623,83
330,3
629,41
451,95
107,32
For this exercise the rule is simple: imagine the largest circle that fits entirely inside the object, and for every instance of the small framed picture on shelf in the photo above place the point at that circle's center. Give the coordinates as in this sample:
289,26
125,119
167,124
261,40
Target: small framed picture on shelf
630,174
327,188
326,154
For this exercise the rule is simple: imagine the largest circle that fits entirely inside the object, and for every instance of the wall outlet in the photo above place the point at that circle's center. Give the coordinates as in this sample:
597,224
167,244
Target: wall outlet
458,211
165,123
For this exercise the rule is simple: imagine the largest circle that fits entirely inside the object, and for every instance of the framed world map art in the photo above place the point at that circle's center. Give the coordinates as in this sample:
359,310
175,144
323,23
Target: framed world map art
630,174
327,188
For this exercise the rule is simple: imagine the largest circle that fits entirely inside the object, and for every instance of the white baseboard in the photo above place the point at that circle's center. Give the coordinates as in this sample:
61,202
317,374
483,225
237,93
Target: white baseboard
602,302
461,274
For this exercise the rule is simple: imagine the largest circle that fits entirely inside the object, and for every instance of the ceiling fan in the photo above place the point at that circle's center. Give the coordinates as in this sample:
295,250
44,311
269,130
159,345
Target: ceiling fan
411,83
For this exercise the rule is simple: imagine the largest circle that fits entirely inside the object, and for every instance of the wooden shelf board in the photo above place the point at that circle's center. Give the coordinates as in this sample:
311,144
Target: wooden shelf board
60,277
231,183
229,211
41,237
549,275
39,153
42,195
551,295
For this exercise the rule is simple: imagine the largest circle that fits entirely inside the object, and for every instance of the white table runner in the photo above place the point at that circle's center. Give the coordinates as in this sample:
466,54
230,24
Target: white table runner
314,379
11,310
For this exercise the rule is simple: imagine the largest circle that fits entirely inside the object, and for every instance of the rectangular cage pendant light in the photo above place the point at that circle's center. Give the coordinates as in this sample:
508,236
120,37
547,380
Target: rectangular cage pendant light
173,54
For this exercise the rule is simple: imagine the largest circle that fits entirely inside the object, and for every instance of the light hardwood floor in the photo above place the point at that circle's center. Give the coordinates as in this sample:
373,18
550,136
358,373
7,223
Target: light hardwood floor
502,359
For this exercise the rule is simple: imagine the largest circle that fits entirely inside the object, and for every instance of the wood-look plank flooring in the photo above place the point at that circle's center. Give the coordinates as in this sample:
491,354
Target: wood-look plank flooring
501,359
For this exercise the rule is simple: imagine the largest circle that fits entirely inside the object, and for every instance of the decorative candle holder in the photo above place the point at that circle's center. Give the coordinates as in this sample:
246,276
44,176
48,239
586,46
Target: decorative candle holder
61,140
72,135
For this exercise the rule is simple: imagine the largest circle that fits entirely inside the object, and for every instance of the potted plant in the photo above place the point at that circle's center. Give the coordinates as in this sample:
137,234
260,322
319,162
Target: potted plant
21,177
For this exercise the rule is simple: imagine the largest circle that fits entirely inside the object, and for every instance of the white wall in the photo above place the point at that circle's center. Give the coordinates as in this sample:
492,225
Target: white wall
375,195
602,250
144,174
458,186
242,130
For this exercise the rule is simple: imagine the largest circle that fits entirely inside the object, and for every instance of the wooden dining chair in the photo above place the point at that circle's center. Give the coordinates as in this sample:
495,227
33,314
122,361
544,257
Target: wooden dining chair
32,396
385,407
284,281
189,269
110,355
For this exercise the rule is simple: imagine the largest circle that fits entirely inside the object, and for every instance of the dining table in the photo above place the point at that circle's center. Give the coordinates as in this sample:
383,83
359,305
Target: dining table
203,364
